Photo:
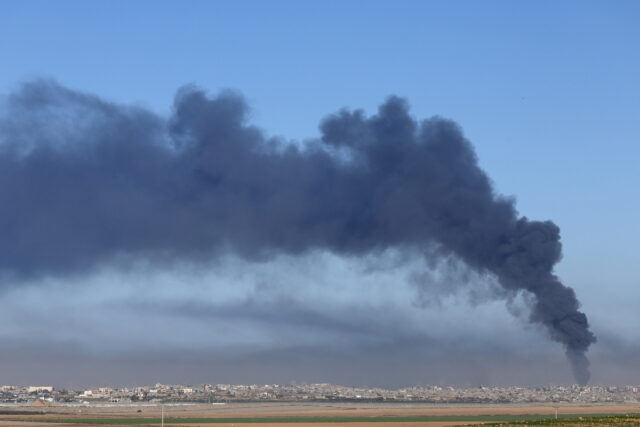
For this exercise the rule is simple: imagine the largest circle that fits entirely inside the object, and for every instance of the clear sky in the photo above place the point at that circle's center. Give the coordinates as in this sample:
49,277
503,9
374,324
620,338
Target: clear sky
548,92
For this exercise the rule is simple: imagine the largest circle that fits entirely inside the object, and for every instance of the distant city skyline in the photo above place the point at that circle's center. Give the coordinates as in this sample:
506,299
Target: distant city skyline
313,393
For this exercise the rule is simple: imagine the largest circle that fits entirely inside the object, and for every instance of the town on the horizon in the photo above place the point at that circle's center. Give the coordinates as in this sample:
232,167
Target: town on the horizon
223,393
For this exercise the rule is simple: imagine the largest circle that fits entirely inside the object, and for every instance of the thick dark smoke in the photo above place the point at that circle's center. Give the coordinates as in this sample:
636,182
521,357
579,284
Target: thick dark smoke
84,182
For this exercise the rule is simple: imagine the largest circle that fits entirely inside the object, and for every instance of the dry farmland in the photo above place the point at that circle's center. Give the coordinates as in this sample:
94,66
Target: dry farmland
305,414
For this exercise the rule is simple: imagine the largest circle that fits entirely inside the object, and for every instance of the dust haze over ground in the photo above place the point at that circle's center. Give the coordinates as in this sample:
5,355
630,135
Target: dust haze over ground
85,183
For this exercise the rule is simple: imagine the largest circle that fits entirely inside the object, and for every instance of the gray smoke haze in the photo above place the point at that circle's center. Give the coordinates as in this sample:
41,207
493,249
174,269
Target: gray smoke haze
84,182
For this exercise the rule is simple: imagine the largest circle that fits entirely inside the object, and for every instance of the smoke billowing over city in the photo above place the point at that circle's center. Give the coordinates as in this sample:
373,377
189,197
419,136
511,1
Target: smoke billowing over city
86,183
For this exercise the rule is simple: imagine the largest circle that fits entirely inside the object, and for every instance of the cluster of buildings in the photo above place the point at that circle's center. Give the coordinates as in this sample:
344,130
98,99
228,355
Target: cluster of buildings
47,395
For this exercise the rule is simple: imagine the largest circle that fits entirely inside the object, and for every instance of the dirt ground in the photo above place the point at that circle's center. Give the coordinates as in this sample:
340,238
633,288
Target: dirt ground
311,409
379,424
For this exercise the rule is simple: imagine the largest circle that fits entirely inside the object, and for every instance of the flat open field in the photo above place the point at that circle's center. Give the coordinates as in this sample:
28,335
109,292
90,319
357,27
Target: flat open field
305,414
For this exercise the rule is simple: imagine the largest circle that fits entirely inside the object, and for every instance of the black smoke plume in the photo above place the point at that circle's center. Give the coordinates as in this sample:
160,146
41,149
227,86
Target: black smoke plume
84,181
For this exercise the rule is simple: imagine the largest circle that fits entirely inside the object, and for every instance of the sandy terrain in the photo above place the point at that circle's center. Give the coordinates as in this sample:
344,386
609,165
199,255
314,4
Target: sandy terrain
379,424
305,409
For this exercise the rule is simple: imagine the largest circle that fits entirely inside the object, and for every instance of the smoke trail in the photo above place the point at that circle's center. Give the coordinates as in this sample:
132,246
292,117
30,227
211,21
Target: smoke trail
83,181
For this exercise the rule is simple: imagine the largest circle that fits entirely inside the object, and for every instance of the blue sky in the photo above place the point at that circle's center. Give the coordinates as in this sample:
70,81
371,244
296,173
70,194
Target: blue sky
548,92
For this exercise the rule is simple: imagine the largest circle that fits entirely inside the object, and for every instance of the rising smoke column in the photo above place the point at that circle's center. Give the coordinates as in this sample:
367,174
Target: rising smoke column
84,182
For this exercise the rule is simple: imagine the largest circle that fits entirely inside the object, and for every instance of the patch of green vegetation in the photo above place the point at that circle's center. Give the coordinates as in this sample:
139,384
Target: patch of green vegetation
526,419
591,420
